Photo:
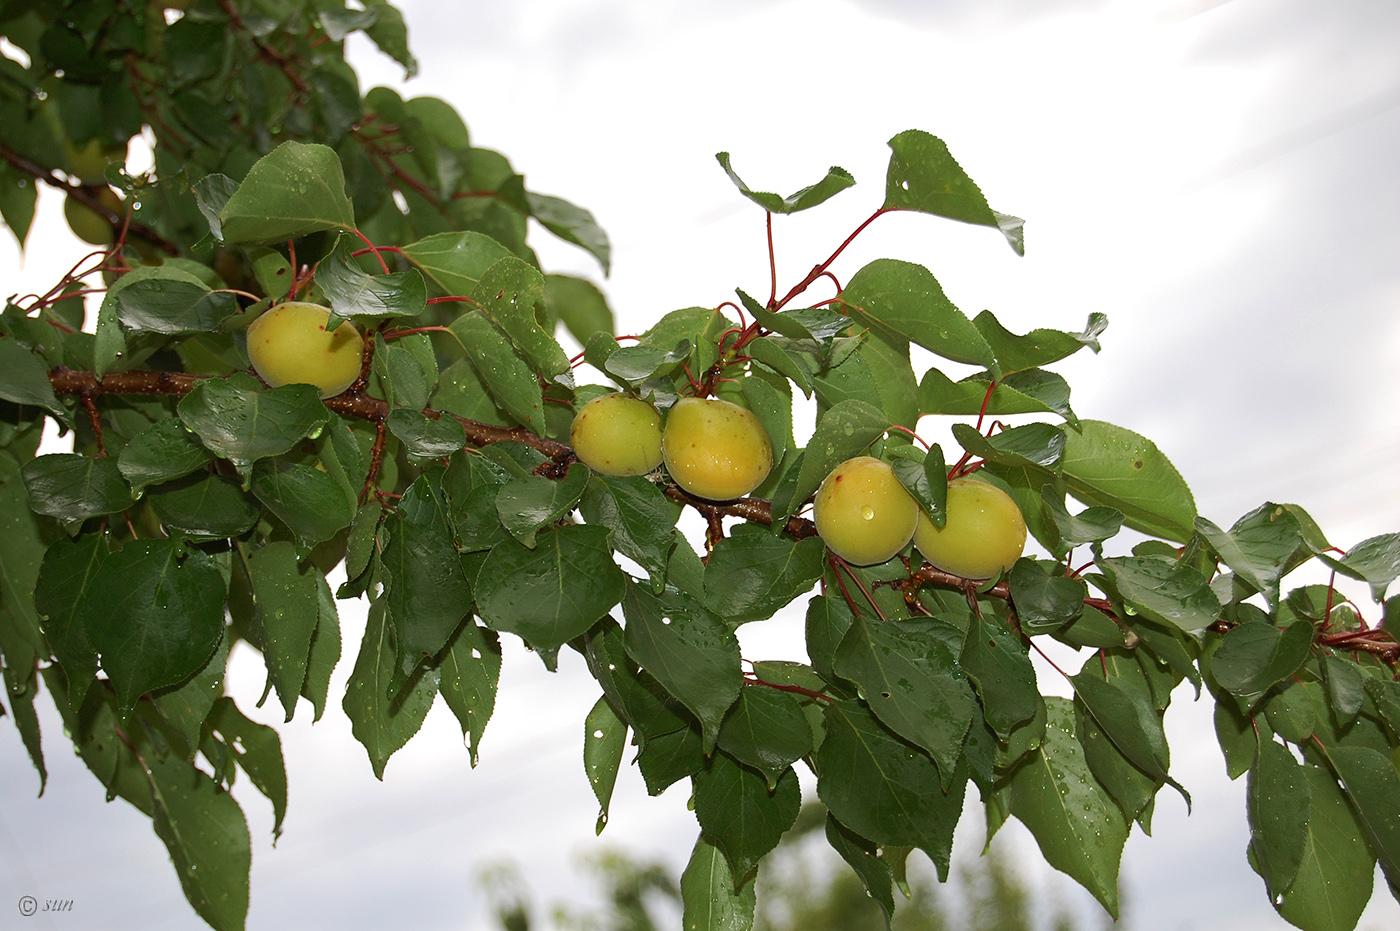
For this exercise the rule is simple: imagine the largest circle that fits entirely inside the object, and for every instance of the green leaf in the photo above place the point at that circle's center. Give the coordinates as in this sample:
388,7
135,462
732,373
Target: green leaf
461,391
668,758
711,899
1038,347
507,295
1034,446
1255,655
1336,873
22,692
258,750
390,34
286,595
186,705
455,261
1375,561
306,499
204,507
579,305
295,189
1372,783
1129,786
571,223
155,614
1164,591
325,650
365,298
242,422
1238,742
775,353
836,180
737,809
1279,801
1019,393
471,669
914,686
207,836
863,856
604,739
883,788
1346,692
927,483
21,552
381,723
640,517
211,193
1091,525
422,437
1001,670
550,594
1079,829
843,431
73,488
1257,547
1110,466
877,372
905,300
749,576
509,379
689,651
163,451
24,381
426,588
63,589
170,301
828,619
528,505
767,730
1127,717
1044,598
923,176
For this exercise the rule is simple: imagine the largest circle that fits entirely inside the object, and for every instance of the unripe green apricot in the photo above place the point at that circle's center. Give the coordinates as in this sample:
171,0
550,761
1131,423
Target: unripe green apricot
289,345
617,435
714,449
89,225
862,512
985,532
89,164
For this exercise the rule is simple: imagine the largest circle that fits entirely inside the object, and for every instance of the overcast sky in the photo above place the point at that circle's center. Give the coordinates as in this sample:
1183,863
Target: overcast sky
1219,178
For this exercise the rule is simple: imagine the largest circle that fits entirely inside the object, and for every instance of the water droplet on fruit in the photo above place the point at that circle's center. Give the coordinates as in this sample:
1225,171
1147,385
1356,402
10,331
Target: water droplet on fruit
867,512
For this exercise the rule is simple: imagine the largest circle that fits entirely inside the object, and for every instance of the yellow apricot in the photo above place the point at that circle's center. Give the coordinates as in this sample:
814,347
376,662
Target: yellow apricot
862,512
617,435
289,345
714,449
985,532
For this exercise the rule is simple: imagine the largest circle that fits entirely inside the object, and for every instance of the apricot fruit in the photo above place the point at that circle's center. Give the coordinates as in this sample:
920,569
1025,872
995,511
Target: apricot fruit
715,449
862,512
617,434
289,345
985,532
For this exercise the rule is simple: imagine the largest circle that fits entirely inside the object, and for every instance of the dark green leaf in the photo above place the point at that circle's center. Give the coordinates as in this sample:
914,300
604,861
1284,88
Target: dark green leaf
828,619
883,788
1114,467
1238,742
461,391
1345,690
528,505
154,614
923,176
863,856
509,379
295,189
668,758
766,729
1129,786
1376,561
390,34
426,588
1045,599
1257,547
163,451
1255,655
355,295
424,438
73,488
325,650
207,836
1127,717
1278,815
689,651
242,422
579,305
776,354
62,590
384,724
1164,591
286,594
1091,525
552,593
24,381
1373,785
877,372
1038,347
21,693
712,900
836,180
1032,446
640,517
171,301
1078,827
905,300
1335,876
211,193
306,499
1001,670
507,295
456,261
736,808
571,223
471,669
749,576
604,739
204,506
258,750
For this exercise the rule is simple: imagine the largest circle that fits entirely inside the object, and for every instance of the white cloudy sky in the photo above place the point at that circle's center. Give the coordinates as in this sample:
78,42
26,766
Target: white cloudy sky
1218,177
